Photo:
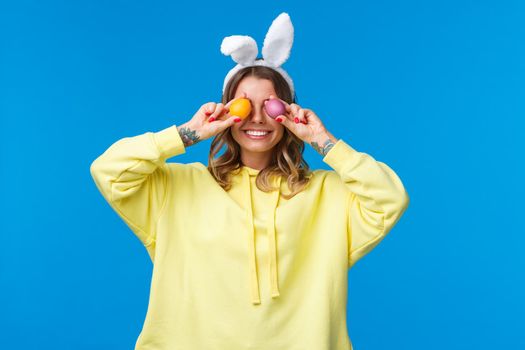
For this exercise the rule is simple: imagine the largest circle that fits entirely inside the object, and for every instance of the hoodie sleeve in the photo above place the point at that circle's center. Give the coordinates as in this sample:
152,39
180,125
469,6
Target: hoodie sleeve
132,175
376,201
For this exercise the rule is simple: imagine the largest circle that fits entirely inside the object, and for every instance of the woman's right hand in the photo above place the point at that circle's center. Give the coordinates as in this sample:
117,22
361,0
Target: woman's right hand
208,121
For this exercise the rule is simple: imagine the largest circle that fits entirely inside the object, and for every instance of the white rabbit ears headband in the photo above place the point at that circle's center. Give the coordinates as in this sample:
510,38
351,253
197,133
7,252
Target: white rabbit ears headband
276,49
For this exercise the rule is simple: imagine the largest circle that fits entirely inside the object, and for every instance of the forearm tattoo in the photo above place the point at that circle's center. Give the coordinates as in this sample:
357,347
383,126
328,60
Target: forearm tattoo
323,149
188,136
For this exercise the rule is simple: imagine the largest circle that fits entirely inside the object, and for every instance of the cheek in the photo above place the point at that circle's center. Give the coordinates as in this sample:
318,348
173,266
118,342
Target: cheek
235,129
236,132
279,129
279,133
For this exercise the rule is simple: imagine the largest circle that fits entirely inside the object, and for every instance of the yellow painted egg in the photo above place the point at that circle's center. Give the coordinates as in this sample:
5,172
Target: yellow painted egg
241,108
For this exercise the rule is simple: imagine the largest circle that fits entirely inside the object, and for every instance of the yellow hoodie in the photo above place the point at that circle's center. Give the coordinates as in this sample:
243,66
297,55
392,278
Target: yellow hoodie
245,269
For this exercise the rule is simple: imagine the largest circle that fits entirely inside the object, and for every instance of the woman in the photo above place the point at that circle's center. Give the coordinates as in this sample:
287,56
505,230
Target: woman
252,250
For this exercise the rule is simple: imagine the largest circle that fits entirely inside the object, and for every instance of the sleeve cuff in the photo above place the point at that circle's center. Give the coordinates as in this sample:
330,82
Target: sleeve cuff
341,156
169,142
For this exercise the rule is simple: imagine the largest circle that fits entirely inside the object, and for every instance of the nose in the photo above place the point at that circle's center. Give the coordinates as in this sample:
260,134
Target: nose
257,114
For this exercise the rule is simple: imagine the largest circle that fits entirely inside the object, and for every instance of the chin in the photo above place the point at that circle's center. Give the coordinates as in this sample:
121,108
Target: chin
254,149
256,145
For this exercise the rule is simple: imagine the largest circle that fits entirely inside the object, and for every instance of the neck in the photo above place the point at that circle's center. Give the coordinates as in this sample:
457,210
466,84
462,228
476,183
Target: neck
257,161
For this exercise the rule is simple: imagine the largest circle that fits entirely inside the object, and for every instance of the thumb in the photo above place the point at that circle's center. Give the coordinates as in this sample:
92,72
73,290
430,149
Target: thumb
223,124
285,121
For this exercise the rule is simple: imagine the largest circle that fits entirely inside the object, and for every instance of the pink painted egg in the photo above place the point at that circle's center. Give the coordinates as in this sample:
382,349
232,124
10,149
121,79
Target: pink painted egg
274,108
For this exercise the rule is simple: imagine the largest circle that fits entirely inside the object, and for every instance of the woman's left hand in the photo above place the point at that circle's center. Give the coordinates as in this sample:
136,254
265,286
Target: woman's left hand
304,123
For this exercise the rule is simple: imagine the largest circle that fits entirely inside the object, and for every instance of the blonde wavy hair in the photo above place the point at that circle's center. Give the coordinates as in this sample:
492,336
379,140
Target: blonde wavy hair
287,157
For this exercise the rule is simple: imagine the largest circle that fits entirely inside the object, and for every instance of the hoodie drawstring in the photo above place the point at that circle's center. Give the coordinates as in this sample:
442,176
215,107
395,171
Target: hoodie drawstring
254,280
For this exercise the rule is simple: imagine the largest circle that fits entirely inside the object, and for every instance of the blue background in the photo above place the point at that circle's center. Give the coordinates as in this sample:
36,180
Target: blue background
435,89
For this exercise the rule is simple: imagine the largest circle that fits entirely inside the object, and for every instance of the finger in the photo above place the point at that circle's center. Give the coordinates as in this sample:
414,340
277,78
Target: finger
227,105
226,110
294,109
218,110
295,106
223,124
309,116
300,116
208,108
283,119
289,124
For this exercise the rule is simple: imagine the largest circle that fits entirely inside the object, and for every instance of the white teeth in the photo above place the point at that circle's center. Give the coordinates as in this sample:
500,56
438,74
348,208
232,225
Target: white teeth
257,133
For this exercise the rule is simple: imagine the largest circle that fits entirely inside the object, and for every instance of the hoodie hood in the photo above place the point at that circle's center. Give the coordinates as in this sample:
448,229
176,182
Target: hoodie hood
247,173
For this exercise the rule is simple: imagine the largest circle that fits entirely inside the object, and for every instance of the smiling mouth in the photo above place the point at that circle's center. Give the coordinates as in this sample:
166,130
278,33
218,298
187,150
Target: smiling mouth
256,135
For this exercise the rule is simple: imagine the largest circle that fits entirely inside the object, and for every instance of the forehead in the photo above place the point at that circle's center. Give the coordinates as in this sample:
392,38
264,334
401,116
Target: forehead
255,88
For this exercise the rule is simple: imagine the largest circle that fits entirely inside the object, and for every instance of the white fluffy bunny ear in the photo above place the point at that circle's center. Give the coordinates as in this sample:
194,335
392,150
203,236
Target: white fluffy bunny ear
278,41
242,48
